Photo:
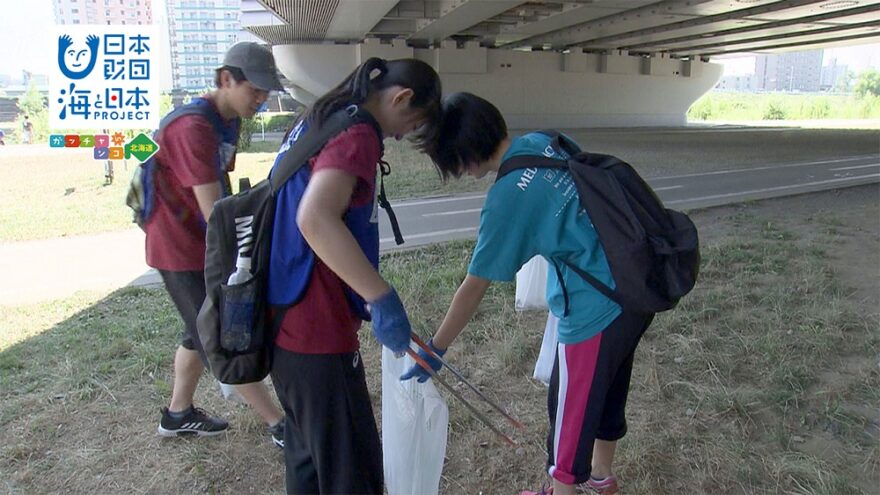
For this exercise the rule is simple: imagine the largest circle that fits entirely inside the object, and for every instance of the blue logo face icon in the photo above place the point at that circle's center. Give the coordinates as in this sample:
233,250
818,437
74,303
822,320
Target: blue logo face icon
77,62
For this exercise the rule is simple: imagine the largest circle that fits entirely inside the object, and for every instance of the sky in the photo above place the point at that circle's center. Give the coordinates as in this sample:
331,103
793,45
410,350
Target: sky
24,43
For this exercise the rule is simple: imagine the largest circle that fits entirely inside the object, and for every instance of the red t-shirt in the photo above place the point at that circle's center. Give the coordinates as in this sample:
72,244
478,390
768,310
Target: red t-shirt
187,157
323,322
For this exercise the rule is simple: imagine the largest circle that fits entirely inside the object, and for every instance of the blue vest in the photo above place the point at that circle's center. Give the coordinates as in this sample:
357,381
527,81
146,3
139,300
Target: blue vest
292,260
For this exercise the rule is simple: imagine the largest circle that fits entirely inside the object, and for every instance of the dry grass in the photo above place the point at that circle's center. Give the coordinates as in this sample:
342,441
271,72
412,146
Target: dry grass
763,381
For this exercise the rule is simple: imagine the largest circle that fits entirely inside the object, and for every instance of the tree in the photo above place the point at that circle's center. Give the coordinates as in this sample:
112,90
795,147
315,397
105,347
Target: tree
868,83
32,101
844,83
165,104
33,104
248,127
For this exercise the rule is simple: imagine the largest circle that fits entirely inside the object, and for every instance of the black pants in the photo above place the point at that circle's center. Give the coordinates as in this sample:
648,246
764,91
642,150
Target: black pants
187,290
331,443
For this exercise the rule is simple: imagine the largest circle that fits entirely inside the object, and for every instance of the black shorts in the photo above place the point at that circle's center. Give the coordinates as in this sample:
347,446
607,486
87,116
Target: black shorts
587,396
331,443
187,290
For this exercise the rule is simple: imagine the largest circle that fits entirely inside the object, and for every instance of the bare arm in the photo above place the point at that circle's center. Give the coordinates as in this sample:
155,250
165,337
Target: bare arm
464,305
206,195
320,220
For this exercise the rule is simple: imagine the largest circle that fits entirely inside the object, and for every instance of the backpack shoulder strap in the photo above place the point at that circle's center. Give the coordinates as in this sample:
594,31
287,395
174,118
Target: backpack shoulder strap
314,140
560,143
528,161
201,107
198,106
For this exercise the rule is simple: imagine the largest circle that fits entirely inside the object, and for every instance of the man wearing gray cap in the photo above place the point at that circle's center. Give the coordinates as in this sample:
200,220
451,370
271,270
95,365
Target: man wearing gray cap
197,150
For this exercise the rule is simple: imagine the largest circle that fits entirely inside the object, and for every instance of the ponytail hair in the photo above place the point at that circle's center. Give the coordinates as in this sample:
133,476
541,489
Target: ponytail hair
377,74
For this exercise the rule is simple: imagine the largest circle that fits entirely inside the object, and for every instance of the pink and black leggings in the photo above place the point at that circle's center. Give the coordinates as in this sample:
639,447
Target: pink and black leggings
587,397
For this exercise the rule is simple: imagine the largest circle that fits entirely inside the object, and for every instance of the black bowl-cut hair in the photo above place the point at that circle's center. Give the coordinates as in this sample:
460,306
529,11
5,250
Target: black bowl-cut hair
470,132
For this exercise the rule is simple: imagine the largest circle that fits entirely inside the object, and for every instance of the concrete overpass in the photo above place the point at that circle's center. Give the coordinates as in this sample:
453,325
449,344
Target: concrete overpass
553,63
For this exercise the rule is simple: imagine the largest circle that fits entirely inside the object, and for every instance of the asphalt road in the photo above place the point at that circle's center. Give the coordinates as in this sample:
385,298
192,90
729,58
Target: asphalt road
689,168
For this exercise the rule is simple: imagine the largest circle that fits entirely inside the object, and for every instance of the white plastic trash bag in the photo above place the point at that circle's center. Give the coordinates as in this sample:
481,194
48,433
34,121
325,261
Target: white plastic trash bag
229,392
415,420
547,356
531,285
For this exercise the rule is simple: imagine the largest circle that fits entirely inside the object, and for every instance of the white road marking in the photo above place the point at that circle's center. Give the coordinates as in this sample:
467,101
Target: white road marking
437,200
856,167
432,234
771,189
667,188
457,212
744,170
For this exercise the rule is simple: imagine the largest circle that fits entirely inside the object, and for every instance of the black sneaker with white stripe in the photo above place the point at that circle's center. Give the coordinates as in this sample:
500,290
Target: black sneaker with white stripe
196,422
277,433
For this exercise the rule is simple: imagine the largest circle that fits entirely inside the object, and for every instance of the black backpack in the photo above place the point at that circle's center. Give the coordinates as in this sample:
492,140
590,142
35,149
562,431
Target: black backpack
653,252
234,324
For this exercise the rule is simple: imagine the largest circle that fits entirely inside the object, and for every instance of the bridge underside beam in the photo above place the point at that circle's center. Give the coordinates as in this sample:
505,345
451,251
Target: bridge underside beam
532,89
678,28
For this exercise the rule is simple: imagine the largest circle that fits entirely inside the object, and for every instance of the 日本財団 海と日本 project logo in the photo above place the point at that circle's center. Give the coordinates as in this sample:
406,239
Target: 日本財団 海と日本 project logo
105,77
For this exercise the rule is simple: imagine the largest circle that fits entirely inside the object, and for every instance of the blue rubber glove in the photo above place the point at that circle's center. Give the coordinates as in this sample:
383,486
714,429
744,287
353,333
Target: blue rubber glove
418,371
390,323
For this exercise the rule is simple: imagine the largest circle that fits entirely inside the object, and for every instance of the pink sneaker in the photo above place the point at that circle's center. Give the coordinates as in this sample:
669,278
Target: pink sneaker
545,490
607,486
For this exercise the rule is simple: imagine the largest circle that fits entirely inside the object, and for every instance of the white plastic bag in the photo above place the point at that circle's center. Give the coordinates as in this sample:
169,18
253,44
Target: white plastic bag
547,356
229,392
531,285
415,420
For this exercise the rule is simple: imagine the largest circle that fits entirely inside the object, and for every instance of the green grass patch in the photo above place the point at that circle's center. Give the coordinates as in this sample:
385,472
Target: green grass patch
720,105
47,193
258,146
732,391
412,173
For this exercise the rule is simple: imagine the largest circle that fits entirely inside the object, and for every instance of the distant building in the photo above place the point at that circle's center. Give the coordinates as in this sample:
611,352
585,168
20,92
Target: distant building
742,82
200,32
793,71
115,12
831,75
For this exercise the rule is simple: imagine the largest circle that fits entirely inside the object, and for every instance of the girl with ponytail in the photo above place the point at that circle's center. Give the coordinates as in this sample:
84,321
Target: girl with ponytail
323,269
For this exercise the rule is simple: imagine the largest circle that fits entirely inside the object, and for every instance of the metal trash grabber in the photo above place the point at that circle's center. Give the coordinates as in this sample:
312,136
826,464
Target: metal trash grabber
461,377
427,367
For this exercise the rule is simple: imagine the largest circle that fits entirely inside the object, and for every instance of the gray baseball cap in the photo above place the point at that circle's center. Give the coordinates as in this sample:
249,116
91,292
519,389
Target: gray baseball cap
257,64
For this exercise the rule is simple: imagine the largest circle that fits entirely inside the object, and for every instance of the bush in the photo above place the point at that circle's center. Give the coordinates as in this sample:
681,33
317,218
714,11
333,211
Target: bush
818,108
248,127
701,109
774,111
869,107
280,122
